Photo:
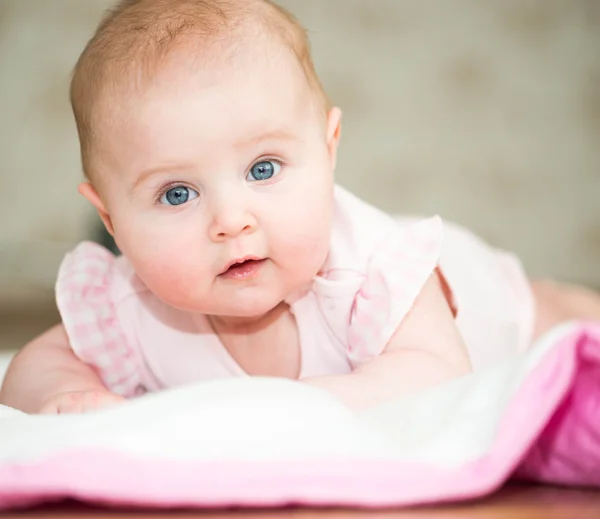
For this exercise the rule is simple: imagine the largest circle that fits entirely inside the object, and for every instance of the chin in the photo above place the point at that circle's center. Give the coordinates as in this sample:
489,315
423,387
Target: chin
248,309
244,305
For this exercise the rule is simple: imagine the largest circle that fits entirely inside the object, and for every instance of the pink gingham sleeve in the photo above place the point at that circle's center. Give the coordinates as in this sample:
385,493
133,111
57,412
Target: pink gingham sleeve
87,309
396,273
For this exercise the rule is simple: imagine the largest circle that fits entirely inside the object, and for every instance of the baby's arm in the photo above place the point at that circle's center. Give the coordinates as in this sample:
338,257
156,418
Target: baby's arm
47,377
425,350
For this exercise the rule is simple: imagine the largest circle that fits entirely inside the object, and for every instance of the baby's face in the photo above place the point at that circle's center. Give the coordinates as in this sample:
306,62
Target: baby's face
210,168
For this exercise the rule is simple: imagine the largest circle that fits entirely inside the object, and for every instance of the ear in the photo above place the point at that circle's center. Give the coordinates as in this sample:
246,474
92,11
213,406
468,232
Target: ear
87,190
334,129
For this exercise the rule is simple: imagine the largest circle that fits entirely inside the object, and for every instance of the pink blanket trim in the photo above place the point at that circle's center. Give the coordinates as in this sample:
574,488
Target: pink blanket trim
550,433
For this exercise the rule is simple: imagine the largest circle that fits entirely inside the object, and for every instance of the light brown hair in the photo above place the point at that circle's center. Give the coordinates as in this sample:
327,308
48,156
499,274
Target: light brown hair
134,37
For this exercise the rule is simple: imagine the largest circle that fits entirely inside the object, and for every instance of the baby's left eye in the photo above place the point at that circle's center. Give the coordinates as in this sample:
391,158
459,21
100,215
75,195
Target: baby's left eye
263,170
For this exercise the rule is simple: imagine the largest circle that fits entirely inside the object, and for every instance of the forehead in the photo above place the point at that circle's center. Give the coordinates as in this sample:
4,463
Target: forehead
194,101
245,84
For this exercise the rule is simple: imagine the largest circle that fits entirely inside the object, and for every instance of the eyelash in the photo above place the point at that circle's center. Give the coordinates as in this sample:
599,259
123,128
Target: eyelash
281,163
266,159
168,187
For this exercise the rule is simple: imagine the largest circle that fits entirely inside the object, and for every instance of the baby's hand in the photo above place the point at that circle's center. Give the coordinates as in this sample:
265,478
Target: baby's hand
80,402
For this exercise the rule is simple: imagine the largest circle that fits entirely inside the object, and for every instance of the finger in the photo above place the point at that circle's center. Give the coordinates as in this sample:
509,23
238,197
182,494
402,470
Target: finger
49,409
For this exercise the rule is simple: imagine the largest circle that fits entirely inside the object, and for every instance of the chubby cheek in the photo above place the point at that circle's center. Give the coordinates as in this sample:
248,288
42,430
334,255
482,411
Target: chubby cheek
302,258
303,234
169,265
169,276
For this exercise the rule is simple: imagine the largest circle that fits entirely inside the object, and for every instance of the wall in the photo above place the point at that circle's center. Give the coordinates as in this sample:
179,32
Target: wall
485,112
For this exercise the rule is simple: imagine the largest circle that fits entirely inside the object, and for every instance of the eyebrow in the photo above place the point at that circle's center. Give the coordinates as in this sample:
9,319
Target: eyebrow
163,168
280,134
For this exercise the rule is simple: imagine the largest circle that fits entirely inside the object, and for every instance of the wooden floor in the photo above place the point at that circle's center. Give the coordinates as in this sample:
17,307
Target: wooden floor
513,502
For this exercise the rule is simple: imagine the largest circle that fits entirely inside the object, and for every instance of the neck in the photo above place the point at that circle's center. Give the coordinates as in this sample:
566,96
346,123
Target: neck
246,325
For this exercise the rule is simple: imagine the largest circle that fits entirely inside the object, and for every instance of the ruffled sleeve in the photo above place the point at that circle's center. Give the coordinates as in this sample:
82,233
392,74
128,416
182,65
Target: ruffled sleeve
396,273
84,298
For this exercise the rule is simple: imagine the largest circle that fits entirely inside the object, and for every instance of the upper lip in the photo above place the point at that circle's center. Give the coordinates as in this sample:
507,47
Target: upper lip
240,260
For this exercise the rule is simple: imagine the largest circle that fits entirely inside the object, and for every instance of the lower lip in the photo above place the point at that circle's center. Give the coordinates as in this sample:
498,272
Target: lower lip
244,271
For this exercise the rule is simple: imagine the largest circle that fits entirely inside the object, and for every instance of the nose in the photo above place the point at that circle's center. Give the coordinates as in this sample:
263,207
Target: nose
231,217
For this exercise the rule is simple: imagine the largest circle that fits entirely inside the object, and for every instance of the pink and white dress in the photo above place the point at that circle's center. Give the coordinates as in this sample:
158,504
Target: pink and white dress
376,267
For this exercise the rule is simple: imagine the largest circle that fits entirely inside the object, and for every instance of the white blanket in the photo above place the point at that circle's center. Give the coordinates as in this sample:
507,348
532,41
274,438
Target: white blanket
268,442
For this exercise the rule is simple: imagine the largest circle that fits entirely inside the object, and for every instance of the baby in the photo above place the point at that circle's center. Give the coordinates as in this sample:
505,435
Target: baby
209,149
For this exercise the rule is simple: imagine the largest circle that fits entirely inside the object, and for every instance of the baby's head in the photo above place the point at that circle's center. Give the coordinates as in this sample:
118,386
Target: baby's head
207,139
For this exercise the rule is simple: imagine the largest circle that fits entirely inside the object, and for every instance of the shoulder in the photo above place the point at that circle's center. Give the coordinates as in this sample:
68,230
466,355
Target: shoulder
376,269
92,269
92,287
363,235
357,229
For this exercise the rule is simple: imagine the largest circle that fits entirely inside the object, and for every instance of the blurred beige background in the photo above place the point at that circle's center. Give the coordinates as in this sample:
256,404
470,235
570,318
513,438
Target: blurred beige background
486,112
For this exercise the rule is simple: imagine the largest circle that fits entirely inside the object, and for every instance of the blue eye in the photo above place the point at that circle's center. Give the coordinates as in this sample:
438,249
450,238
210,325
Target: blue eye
264,170
178,195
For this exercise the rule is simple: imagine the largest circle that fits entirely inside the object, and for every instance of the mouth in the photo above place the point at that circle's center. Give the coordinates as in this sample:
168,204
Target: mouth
242,268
